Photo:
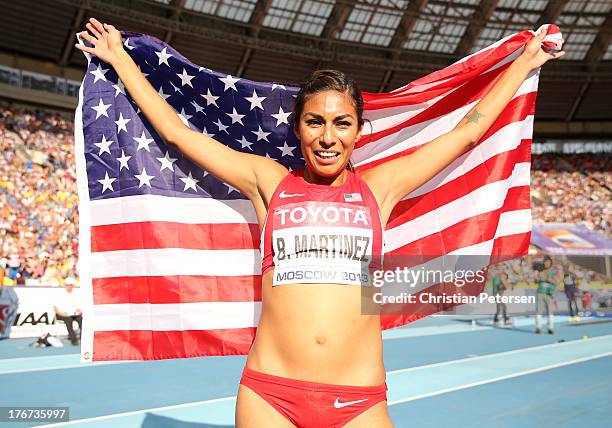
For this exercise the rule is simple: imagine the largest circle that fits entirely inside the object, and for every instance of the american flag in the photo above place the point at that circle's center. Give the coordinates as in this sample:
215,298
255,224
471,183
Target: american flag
169,254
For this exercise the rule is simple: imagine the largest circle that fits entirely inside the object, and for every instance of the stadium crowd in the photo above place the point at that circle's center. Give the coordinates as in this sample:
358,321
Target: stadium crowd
575,188
38,196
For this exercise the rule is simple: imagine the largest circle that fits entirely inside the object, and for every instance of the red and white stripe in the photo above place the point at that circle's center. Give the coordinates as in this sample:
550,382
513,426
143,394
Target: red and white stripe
187,281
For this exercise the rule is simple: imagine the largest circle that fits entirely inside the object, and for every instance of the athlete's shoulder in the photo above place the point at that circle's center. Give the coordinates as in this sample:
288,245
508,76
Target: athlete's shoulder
359,176
288,182
375,181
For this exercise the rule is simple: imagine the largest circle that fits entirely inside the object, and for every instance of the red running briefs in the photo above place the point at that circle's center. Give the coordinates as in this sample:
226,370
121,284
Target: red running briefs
311,404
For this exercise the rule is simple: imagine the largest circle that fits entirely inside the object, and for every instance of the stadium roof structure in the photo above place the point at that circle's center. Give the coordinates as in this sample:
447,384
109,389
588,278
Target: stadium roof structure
384,44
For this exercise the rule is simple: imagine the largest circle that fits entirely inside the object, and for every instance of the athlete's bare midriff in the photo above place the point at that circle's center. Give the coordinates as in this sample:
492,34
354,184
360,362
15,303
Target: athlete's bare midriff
317,332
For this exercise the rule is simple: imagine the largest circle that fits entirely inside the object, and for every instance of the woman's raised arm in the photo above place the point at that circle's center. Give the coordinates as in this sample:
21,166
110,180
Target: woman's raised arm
393,180
252,175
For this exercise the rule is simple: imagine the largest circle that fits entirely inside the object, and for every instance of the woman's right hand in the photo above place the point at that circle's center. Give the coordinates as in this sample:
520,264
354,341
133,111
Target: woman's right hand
106,41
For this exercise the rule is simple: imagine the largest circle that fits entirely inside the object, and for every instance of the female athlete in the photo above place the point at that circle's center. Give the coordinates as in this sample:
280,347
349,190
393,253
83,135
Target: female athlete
316,360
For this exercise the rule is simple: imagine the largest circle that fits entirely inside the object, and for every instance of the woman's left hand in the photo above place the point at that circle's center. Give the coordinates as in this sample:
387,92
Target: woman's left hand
534,55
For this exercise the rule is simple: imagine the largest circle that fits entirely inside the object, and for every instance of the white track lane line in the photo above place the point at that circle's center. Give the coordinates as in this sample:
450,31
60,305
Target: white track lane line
497,379
498,354
523,373
137,412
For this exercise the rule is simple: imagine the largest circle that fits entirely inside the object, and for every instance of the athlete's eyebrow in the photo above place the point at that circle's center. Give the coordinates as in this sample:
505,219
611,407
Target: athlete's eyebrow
340,117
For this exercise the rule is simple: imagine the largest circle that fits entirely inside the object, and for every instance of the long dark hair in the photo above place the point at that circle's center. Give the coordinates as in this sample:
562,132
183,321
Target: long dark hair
329,80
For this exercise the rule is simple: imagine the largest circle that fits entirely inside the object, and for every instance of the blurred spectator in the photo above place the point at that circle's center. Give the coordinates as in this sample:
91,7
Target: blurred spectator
587,301
8,306
548,278
571,290
500,285
67,309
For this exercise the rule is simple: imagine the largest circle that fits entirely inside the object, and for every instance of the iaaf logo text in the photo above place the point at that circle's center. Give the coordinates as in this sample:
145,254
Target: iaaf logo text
32,318
316,214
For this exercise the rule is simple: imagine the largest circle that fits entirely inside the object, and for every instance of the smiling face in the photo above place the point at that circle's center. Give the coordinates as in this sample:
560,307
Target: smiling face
327,129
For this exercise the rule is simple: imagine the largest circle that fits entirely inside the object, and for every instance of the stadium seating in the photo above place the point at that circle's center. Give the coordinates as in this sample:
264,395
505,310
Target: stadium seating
572,188
38,198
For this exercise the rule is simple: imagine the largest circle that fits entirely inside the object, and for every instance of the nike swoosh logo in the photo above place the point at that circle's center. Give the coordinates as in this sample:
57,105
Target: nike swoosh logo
339,405
289,195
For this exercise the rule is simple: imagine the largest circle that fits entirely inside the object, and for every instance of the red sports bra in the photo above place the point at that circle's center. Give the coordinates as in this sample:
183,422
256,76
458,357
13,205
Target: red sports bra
322,234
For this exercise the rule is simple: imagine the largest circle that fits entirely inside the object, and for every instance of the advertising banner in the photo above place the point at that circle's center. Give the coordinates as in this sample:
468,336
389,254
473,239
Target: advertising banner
35,315
570,239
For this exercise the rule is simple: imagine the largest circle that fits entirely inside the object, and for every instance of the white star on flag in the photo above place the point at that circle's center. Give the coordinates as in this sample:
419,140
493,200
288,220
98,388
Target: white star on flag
176,88
123,161
286,150
127,44
255,100
184,117
274,86
161,93
167,162
261,135
101,109
190,182
121,123
99,73
107,183
143,142
235,116
281,116
245,143
231,188
206,132
197,107
104,145
185,78
221,126
119,88
163,56
210,98
144,178
229,82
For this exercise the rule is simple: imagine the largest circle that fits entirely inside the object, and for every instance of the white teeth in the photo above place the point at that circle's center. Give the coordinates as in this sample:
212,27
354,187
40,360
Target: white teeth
327,154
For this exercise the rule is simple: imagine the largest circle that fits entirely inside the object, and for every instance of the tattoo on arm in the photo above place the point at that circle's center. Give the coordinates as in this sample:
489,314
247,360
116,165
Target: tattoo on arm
474,116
